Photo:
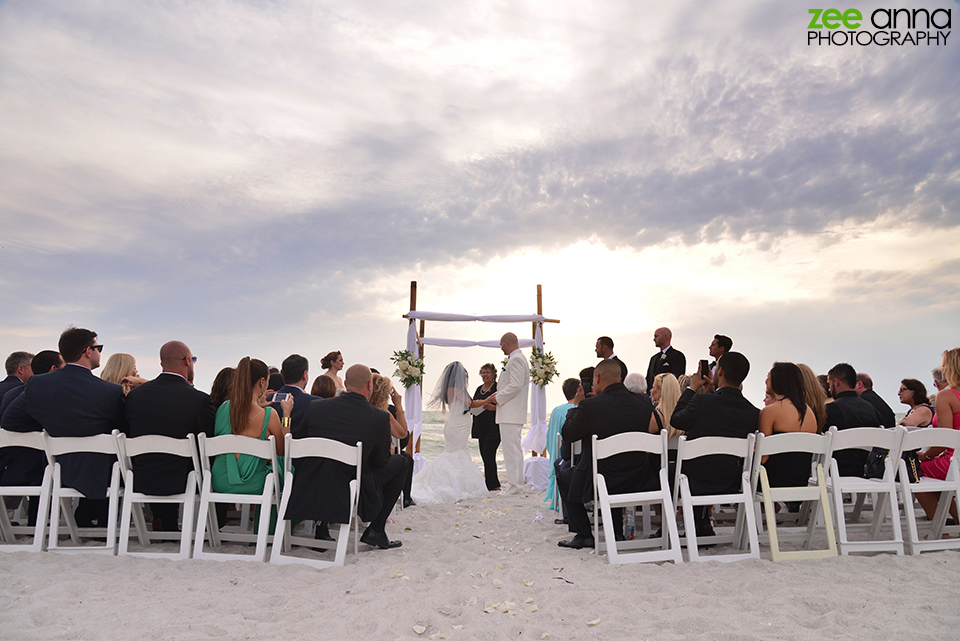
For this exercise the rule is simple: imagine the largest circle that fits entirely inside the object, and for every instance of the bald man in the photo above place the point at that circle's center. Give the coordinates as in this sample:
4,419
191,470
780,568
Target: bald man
321,487
667,359
511,399
170,406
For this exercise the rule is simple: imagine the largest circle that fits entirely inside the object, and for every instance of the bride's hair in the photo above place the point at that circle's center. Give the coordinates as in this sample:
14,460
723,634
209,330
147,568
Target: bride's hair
454,378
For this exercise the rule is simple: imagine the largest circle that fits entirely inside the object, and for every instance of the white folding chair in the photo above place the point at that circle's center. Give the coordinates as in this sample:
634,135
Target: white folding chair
617,552
133,501
741,448
61,496
885,488
949,489
230,445
817,445
32,440
301,448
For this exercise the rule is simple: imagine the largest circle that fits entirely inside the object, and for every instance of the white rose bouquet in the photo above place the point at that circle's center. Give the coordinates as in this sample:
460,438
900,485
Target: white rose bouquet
543,367
409,368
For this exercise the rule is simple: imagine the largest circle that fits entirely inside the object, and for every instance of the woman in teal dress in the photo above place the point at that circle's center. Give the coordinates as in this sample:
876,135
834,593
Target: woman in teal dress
246,414
557,418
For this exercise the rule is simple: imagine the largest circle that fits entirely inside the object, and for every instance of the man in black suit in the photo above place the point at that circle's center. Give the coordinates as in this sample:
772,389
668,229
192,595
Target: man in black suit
18,371
170,406
667,359
614,410
604,350
849,410
321,487
723,413
864,388
73,402
24,465
296,374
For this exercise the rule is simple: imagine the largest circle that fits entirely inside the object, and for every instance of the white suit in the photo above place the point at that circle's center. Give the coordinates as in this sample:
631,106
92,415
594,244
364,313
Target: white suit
512,392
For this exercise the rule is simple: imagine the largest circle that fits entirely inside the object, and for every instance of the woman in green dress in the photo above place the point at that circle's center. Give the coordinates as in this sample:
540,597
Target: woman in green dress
247,414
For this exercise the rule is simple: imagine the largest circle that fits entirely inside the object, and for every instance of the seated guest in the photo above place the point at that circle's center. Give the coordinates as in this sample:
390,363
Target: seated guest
222,384
333,363
722,413
565,458
558,416
787,413
380,397
914,393
613,410
121,369
936,461
170,406
825,385
635,382
848,410
665,394
24,465
864,388
815,395
296,372
324,387
321,486
73,402
245,413
18,371
275,382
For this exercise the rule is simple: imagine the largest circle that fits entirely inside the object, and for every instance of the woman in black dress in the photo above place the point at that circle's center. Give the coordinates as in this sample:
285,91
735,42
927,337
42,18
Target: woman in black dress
485,427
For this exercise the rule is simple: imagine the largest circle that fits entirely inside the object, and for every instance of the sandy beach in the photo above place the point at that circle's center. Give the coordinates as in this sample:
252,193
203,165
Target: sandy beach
480,569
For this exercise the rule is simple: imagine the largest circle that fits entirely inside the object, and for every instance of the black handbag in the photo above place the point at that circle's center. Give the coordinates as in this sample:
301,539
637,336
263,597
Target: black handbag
875,464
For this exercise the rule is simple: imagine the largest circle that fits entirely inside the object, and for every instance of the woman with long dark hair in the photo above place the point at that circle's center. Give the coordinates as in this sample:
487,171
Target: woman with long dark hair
787,413
914,393
246,413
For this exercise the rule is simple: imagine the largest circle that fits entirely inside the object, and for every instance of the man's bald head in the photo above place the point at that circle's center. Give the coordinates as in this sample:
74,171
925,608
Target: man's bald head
358,379
176,358
509,343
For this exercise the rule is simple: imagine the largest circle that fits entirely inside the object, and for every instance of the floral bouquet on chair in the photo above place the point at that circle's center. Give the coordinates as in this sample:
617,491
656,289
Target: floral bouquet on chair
543,367
409,368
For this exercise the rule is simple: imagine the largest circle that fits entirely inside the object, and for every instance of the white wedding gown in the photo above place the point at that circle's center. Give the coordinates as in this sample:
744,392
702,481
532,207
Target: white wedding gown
453,475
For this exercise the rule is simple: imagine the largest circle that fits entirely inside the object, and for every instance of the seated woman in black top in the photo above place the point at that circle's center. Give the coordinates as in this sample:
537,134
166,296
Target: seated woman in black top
788,412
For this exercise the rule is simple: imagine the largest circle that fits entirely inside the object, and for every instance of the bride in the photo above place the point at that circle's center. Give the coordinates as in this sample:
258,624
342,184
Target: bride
453,475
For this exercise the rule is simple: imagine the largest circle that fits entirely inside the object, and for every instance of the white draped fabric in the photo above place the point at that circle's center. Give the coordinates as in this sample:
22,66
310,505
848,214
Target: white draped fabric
440,316
536,439
454,342
412,400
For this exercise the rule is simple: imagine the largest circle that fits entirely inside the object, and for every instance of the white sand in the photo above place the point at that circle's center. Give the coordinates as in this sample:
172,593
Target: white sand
60,596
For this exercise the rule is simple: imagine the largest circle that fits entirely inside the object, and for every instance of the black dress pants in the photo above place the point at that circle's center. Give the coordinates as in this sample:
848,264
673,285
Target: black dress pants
391,478
488,452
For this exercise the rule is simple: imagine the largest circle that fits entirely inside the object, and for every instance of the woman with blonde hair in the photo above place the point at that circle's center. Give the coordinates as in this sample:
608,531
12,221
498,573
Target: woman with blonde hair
120,366
815,396
936,460
381,396
665,393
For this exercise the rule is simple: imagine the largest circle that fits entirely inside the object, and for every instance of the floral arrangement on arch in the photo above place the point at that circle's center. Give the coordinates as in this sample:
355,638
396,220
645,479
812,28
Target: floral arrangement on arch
543,367
409,368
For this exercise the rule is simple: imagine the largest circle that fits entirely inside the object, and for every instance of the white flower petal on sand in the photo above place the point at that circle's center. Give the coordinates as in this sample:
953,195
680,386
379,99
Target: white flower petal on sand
490,606
499,566
404,578
445,610
529,599
497,583
419,629
533,609
475,587
470,601
544,636
457,627
529,584
396,574
483,575
423,581
593,623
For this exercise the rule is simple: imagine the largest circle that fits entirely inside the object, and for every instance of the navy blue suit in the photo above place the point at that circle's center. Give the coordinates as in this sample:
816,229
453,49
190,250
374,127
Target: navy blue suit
9,383
300,402
8,397
72,402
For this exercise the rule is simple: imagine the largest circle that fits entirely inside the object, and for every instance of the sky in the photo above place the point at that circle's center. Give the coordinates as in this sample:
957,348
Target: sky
265,178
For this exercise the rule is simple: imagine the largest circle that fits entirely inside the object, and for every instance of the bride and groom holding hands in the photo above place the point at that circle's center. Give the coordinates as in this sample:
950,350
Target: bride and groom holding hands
453,475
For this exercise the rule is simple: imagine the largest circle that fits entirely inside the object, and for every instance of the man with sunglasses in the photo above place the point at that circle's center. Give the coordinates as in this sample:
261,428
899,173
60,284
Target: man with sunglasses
73,402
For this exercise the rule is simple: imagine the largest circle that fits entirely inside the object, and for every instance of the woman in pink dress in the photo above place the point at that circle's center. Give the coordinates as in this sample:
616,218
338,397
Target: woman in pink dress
935,461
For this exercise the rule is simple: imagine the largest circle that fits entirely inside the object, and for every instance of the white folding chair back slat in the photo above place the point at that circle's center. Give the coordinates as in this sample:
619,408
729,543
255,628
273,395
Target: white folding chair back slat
949,489
132,501
60,495
867,438
317,448
623,551
742,448
816,445
9,532
230,445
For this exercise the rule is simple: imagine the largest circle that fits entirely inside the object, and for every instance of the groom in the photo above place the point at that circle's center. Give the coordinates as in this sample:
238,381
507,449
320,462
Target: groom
511,399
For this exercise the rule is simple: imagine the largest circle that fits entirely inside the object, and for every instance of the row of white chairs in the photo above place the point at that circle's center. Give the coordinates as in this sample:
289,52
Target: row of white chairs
55,498
825,490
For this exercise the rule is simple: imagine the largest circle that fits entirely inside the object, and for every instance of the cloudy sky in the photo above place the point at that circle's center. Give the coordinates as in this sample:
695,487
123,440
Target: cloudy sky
268,177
